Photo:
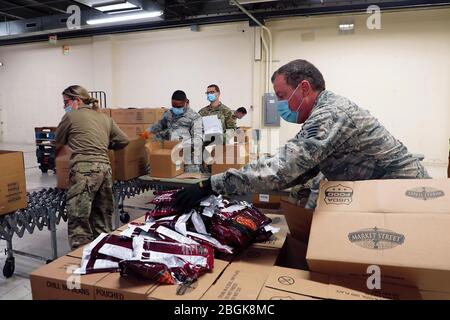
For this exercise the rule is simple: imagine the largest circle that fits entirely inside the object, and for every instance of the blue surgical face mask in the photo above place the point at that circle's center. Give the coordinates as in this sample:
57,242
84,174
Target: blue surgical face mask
68,108
177,111
211,97
285,112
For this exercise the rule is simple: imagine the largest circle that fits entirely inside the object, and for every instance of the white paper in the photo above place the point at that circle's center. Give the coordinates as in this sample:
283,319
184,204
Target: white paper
212,124
273,229
233,208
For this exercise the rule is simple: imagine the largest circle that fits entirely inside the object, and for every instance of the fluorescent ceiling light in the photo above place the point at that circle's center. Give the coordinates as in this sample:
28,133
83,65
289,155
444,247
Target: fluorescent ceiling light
346,26
126,11
118,6
251,1
135,16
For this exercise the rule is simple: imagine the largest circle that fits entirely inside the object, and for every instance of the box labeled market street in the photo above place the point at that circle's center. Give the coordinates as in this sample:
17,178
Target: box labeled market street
399,225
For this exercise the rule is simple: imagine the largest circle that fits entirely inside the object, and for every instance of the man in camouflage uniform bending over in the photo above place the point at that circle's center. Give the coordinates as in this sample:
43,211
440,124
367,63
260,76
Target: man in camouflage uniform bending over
338,138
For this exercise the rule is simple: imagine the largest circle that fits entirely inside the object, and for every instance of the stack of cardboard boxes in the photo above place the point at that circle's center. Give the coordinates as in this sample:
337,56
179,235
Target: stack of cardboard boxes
13,193
135,121
228,156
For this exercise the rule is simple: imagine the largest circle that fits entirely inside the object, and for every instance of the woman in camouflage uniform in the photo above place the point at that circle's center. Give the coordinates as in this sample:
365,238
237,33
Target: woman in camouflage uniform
89,134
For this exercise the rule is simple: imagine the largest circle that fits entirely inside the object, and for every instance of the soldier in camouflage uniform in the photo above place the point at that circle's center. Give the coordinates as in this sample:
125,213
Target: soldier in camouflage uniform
338,138
216,107
89,133
182,123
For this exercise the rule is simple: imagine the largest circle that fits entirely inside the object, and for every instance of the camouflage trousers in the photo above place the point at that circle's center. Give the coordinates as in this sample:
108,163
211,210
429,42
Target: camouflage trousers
90,202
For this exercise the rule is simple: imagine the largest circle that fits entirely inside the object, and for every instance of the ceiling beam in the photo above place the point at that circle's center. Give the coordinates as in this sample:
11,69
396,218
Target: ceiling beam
2,13
34,3
16,6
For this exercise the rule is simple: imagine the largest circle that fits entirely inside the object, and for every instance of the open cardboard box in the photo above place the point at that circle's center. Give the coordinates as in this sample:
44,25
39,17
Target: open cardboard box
160,156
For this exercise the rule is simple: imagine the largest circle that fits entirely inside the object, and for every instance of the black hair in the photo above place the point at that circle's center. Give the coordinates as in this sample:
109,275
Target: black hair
242,110
179,95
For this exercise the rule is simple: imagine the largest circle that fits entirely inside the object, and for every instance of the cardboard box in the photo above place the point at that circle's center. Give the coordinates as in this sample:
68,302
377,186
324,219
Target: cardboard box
116,287
244,278
62,167
232,154
290,281
434,295
137,116
77,253
13,191
243,134
261,200
132,161
160,158
274,294
192,175
192,291
134,130
55,281
219,168
399,225
106,111
298,219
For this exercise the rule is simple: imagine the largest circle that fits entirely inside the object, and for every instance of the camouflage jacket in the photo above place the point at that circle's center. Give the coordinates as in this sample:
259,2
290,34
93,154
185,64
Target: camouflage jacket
187,127
340,139
223,113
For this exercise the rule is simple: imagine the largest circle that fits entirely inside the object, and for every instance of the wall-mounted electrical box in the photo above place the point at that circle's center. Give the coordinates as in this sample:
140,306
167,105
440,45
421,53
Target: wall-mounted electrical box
271,117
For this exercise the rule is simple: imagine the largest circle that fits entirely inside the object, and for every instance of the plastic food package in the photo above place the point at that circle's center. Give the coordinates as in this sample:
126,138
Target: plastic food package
161,252
104,254
162,210
168,262
184,273
163,197
208,240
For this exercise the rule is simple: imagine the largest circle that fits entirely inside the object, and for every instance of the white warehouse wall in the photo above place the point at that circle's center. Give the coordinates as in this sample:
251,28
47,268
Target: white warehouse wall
400,73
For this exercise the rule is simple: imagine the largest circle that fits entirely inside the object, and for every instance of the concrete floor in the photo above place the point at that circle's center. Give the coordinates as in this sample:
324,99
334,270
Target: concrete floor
18,286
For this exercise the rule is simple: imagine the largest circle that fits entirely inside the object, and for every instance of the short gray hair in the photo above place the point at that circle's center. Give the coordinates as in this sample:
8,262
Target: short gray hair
298,70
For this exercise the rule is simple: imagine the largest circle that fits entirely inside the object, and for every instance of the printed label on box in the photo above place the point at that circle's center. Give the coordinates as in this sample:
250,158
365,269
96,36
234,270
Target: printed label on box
376,238
338,195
